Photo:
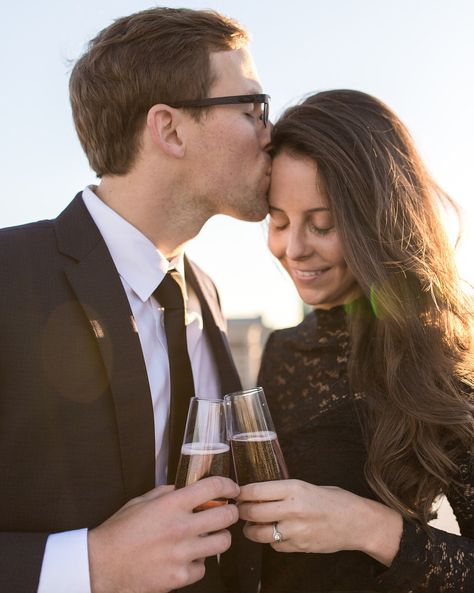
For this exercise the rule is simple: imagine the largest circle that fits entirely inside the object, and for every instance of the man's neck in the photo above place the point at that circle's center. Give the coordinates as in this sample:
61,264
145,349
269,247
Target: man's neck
155,211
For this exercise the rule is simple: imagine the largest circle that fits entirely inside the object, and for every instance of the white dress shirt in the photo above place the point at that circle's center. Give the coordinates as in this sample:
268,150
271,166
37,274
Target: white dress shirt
141,268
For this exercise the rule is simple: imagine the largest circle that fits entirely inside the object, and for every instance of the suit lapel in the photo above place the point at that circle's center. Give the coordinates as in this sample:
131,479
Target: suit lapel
214,326
97,286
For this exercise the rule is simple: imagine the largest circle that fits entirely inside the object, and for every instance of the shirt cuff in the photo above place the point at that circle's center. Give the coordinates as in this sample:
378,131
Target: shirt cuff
65,563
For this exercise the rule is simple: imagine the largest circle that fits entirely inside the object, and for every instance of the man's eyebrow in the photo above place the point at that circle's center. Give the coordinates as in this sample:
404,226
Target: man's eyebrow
319,209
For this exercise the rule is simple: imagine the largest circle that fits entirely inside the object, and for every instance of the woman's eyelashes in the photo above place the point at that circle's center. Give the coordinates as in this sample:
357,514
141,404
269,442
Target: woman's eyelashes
320,230
278,226
281,225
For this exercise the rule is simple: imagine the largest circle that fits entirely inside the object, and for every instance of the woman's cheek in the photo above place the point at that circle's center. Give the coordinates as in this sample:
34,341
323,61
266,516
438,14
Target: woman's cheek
276,244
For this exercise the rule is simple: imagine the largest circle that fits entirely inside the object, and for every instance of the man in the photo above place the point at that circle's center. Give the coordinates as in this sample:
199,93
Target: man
169,111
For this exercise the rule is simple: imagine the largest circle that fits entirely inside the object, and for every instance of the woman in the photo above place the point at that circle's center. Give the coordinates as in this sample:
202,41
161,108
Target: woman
371,393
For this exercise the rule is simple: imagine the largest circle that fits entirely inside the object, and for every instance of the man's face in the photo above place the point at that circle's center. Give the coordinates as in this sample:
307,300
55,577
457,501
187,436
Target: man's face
230,164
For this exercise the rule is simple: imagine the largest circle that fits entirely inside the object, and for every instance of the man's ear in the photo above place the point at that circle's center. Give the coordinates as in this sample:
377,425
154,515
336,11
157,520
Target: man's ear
163,124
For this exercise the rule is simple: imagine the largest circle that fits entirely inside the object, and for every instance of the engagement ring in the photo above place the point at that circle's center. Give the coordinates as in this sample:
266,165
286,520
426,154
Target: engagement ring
277,538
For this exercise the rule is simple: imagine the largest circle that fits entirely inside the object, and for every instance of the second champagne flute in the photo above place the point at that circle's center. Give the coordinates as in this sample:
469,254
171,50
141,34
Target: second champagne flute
255,448
205,450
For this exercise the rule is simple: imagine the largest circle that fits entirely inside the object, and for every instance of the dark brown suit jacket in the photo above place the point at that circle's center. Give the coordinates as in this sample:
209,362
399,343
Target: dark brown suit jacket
76,418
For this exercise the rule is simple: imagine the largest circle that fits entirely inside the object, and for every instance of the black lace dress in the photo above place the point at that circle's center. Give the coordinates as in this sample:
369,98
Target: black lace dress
304,375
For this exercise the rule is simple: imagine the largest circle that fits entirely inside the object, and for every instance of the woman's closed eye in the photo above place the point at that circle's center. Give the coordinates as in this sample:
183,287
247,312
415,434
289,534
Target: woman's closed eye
277,223
319,230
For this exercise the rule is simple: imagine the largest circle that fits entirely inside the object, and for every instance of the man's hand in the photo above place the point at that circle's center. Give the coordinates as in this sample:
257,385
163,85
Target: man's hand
156,543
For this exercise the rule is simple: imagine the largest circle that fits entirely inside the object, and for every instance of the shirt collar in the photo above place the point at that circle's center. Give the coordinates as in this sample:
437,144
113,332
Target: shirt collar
137,260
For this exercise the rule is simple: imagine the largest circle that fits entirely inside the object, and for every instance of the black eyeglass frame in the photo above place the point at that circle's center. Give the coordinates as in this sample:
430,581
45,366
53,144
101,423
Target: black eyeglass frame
230,100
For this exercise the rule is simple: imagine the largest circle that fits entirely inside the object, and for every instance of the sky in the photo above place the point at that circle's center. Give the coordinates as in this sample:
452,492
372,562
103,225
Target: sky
418,57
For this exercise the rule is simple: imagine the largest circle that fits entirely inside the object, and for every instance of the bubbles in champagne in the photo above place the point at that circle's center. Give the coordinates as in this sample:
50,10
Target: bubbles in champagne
258,457
200,460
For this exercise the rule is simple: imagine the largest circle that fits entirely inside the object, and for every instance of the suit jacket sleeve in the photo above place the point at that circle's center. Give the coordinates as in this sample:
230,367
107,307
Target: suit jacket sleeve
21,557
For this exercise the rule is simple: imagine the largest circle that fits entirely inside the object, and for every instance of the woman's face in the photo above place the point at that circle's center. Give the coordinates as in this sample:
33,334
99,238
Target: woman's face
303,237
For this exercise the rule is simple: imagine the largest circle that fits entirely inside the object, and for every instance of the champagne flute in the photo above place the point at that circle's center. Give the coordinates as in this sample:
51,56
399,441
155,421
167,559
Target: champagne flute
255,448
205,450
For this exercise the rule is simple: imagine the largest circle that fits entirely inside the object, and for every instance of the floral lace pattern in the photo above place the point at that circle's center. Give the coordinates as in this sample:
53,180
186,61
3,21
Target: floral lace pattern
304,375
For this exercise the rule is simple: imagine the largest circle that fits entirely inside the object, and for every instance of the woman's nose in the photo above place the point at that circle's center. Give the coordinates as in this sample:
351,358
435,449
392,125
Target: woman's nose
297,247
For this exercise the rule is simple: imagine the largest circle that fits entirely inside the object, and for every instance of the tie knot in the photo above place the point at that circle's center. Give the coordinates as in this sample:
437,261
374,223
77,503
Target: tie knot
170,291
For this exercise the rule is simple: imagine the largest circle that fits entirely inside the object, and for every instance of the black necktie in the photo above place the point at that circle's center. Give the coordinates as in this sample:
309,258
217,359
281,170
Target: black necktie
170,296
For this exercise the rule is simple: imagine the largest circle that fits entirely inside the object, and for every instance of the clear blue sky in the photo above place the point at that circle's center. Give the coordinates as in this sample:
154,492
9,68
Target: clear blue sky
418,56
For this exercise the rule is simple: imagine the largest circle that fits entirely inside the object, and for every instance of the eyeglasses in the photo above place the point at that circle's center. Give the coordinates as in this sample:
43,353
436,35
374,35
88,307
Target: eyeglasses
262,100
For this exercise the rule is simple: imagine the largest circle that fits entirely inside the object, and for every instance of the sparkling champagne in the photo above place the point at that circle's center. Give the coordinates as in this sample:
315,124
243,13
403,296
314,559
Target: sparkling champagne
258,457
198,461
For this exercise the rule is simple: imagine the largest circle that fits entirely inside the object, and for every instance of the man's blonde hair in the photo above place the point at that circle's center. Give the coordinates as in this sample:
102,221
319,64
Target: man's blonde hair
160,55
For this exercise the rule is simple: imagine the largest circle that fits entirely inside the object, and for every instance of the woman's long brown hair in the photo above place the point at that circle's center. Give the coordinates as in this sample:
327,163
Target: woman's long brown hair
411,355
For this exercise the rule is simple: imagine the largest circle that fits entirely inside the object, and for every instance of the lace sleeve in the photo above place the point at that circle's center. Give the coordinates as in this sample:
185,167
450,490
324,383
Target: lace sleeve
443,562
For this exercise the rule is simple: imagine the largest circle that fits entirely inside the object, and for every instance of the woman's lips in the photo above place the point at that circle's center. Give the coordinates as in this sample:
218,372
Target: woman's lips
307,275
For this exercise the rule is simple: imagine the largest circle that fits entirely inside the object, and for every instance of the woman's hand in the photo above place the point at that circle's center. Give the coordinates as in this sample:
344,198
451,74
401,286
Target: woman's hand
320,519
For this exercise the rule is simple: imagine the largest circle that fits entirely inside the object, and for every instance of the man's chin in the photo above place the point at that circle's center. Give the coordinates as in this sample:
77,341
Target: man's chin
258,214
251,211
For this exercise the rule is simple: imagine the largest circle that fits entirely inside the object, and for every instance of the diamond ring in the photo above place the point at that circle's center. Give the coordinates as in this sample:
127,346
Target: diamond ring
277,537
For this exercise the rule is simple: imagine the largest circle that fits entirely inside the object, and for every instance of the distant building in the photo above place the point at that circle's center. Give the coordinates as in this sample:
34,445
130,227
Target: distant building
247,339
